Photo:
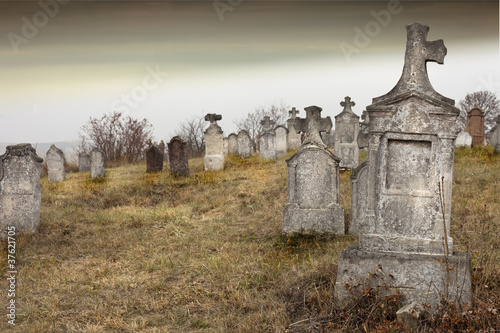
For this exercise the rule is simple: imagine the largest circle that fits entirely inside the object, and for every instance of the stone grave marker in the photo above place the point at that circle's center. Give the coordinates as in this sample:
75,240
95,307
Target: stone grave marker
83,162
475,125
280,140
214,143
363,131
267,139
20,189
346,135
225,146
232,145
404,231
244,144
154,159
177,153
313,181
96,163
464,139
293,136
55,164
494,136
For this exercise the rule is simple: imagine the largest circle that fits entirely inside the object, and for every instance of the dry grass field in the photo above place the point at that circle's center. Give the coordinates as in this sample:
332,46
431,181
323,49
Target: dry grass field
137,252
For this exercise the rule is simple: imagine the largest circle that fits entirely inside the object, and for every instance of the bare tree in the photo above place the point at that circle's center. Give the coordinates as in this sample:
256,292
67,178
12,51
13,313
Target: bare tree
251,122
487,101
191,131
119,138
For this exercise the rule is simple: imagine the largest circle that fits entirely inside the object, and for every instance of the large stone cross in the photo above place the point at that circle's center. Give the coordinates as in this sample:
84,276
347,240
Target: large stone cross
347,103
267,124
212,118
312,125
293,113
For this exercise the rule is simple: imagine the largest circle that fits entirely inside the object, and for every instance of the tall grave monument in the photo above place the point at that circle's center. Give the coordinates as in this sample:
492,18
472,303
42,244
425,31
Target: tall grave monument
313,181
55,164
475,125
293,137
267,139
214,143
405,228
346,135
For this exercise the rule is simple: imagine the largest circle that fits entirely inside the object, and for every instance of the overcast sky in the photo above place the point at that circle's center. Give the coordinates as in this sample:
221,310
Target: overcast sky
168,61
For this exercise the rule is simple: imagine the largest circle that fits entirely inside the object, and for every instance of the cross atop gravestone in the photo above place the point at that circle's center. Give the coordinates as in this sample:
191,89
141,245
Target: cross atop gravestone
212,118
347,104
293,113
312,125
267,124
419,51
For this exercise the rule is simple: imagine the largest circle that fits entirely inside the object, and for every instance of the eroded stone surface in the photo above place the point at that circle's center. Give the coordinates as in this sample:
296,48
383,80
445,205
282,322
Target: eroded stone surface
232,144
214,143
154,159
312,125
177,153
464,139
281,133
293,138
346,135
267,139
55,164
96,163
475,125
83,162
494,136
244,144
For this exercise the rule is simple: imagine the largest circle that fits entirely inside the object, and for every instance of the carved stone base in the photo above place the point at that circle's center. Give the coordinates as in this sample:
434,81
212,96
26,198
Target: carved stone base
214,162
328,220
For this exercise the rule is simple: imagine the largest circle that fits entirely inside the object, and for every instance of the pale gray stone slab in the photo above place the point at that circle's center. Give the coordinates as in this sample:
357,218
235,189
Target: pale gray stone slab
83,162
346,136
96,163
55,164
214,143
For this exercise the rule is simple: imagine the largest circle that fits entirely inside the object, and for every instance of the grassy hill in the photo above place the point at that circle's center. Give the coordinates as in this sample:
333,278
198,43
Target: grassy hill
137,252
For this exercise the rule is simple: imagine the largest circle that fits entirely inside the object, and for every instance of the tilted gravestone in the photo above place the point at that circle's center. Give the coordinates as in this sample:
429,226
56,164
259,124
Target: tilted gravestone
96,163
232,144
280,140
214,143
267,139
20,189
346,135
177,153
154,159
475,125
83,162
464,139
244,144
313,181
494,136
55,164
294,141
404,233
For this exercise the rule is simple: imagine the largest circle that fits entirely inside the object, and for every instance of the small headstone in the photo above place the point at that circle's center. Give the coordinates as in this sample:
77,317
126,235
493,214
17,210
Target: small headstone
363,131
232,145
20,189
96,163
83,162
244,144
154,159
494,136
214,143
403,229
475,125
225,146
346,135
177,153
293,137
464,139
267,139
313,181
280,140
55,164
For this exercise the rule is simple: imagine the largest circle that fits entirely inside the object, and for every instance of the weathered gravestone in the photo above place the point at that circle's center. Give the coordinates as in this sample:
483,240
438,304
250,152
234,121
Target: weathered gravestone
244,144
83,162
225,146
20,189
178,157
404,230
267,139
280,140
214,143
232,144
464,139
154,159
313,181
96,163
55,164
475,125
363,131
346,135
294,141
161,148
494,136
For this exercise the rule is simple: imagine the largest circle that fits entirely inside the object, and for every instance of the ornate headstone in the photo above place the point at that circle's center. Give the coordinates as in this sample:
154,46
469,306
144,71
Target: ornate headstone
214,143
96,163
280,140
475,125
20,189
405,227
494,136
55,164
154,159
313,181
267,138
244,144
293,136
232,144
83,162
177,153
346,135
464,139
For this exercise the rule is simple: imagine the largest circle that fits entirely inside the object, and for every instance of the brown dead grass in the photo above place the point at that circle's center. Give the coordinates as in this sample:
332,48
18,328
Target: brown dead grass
137,252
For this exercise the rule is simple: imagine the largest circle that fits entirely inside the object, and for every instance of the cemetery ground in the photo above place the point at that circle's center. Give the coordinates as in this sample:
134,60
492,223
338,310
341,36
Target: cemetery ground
137,252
